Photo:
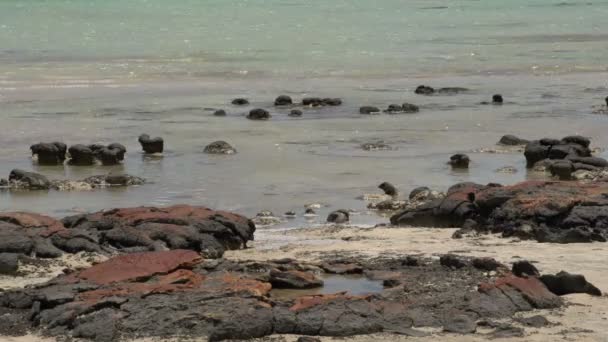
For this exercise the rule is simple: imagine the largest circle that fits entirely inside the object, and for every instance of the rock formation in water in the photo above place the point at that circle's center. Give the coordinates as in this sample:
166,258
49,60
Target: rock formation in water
151,145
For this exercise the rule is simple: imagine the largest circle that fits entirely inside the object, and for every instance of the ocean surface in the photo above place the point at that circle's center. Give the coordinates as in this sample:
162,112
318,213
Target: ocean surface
106,71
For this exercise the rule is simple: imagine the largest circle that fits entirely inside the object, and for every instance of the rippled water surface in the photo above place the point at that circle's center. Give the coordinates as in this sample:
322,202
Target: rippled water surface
105,71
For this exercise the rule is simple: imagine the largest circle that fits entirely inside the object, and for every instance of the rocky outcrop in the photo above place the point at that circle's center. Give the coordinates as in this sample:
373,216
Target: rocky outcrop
219,147
426,90
49,153
459,161
404,108
23,180
199,229
258,114
283,100
369,110
563,157
511,140
151,145
111,154
176,293
559,212
240,102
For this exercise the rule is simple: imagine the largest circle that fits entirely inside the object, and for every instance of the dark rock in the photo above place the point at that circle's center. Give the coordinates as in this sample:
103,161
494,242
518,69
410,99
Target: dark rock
295,113
294,280
219,147
283,100
369,110
332,102
258,114
307,339
240,102
562,169
564,283
460,324
9,263
410,108
151,145
536,321
394,108
511,140
3,182
451,261
81,155
497,99
424,90
310,211
524,268
376,146
219,112
452,90
578,140
49,153
414,193
312,101
486,264
507,331
29,180
110,156
410,261
389,189
338,216
592,161
535,151
118,179
459,161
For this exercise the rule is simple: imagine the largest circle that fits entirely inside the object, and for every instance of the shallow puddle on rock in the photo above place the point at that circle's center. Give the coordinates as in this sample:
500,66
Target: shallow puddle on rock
333,283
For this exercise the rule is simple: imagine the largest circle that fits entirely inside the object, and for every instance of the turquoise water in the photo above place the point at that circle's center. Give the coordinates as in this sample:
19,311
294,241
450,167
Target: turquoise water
107,71
298,38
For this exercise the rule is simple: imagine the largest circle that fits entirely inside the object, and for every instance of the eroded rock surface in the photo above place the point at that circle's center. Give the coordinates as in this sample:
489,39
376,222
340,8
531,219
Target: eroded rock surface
199,229
177,293
559,212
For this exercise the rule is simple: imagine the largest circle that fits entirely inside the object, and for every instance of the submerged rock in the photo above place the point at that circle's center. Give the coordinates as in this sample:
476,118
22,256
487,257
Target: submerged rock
376,146
369,110
49,153
497,99
219,147
389,189
295,113
81,155
19,179
240,102
258,114
283,100
219,112
459,161
151,145
424,90
511,140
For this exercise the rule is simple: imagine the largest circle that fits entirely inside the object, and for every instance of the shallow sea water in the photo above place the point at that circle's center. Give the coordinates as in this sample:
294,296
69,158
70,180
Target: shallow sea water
92,71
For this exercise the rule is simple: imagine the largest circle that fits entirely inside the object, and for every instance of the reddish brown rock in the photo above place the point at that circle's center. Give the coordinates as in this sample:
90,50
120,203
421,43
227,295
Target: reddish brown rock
136,266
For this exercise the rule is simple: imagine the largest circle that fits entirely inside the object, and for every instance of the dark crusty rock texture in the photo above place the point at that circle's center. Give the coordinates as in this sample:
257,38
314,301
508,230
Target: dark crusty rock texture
559,212
177,293
199,229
